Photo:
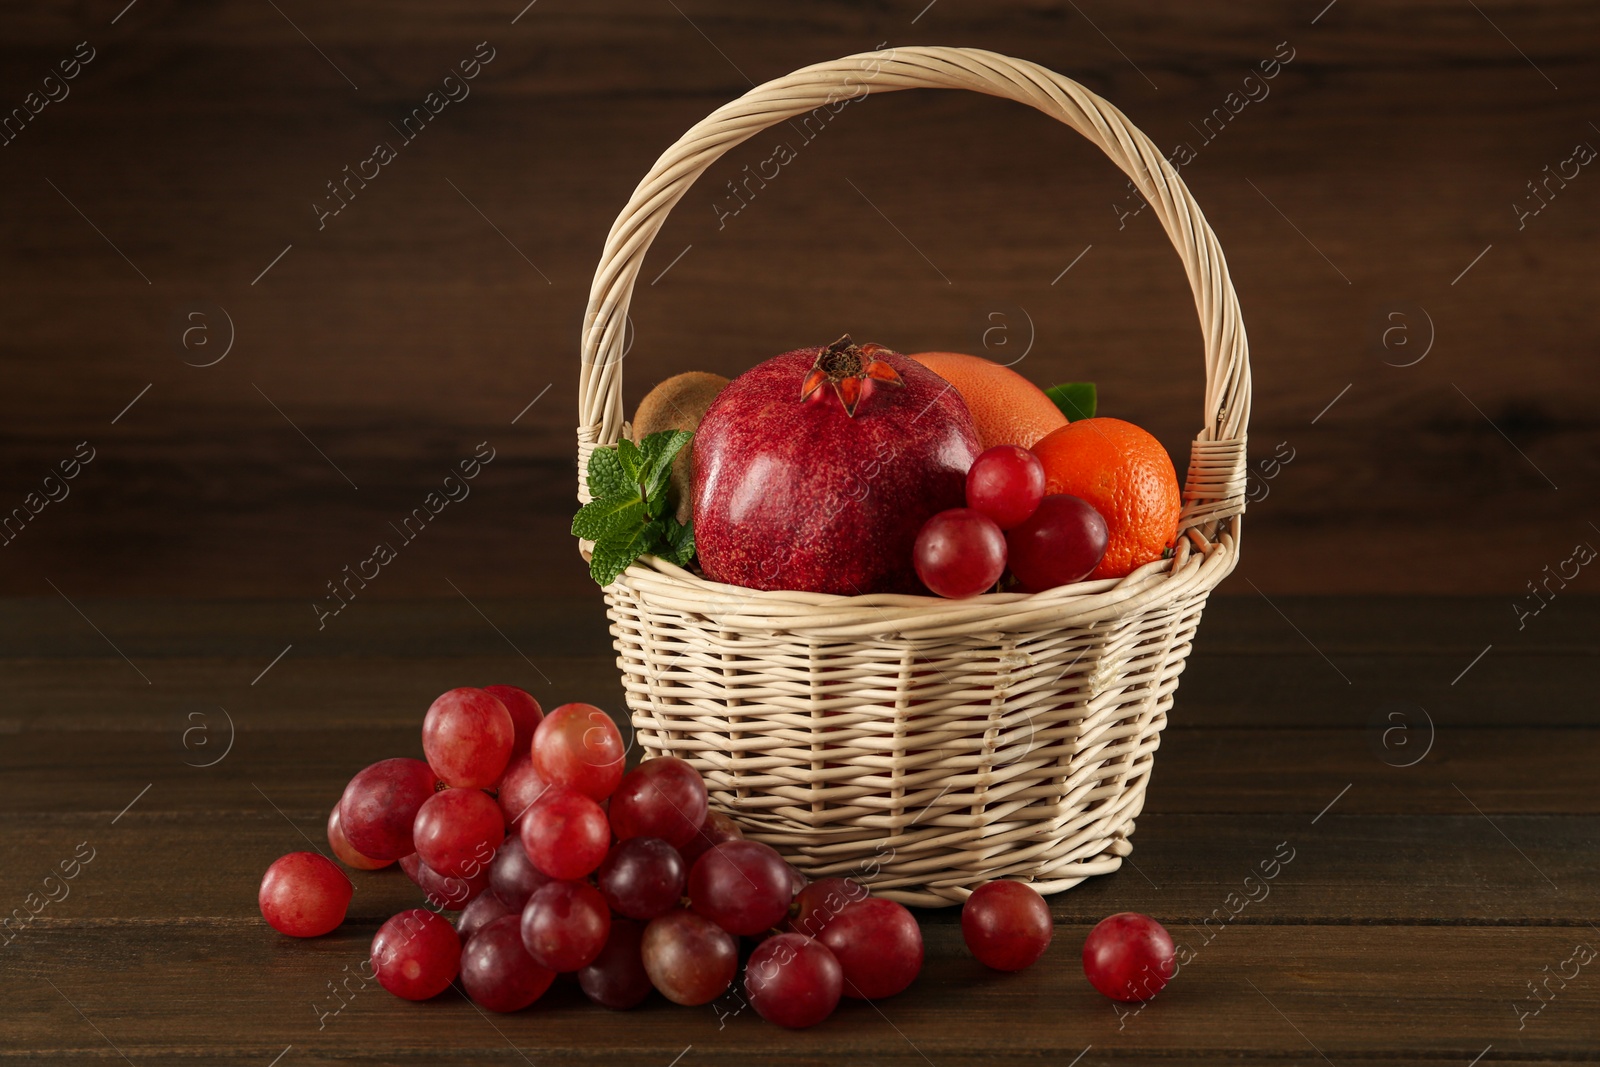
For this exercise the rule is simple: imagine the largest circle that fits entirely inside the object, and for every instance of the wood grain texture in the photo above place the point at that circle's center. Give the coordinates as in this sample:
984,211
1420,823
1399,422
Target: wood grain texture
1419,868
1277,993
1260,663
1416,906
303,760
1386,157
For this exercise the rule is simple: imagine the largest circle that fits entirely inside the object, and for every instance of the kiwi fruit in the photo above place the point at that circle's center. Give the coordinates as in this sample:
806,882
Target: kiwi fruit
679,403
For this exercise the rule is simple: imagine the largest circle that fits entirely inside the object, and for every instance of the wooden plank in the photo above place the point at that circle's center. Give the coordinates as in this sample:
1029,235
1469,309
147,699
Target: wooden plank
1547,30
1188,870
1232,691
303,758
380,662
1279,993
375,624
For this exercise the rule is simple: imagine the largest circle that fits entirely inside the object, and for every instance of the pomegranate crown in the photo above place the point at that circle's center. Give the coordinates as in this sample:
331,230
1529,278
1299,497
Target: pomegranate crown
845,365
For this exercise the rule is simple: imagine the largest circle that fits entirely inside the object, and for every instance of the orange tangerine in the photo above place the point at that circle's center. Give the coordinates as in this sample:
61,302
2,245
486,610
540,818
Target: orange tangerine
1129,478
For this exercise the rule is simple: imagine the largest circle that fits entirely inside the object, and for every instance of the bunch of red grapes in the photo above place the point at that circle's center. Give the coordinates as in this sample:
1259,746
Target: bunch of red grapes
559,863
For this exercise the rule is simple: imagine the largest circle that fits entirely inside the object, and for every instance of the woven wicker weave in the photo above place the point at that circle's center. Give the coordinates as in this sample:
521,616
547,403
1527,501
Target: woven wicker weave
925,745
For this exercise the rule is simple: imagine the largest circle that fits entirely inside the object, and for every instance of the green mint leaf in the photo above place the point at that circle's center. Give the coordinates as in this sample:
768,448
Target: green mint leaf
658,451
677,542
605,473
655,503
1075,399
632,460
615,554
629,485
598,520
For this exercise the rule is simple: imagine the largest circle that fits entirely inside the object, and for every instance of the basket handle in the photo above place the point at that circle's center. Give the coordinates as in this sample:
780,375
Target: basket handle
1215,485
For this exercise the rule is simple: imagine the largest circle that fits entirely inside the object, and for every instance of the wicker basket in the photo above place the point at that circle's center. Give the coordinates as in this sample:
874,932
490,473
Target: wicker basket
924,745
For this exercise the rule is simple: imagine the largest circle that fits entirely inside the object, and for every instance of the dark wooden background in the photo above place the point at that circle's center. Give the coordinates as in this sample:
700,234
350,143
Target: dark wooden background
1386,158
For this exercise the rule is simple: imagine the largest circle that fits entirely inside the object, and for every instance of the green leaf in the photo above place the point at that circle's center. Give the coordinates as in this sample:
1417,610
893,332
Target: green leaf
655,503
658,451
601,519
632,460
677,542
1075,399
605,473
629,485
615,554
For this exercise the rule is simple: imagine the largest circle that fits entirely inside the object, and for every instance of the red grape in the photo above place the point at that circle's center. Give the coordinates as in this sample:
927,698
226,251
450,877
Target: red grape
1059,545
380,804
960,553
565,925
1129,957
689,958
1006,925
304,894
793,981
416,954
484,909
742,886
566,834
716,829
1006,483
519,787
817,904
578,746
617,978
497,971
525,715
345,850
457,831
663,797
444,892
512,875
467,736
879,946
642,877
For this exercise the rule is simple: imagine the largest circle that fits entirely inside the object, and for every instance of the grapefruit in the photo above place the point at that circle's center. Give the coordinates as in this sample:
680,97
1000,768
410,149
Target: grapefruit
1006,408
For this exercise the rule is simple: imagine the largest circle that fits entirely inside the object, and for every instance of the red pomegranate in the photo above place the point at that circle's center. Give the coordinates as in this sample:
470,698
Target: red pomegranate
815,470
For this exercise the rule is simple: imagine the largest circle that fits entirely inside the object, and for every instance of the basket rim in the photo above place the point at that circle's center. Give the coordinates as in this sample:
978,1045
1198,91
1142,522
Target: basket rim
1198,562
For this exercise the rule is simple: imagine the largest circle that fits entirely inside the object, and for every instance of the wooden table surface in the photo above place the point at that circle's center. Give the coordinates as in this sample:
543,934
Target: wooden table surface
1422,771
